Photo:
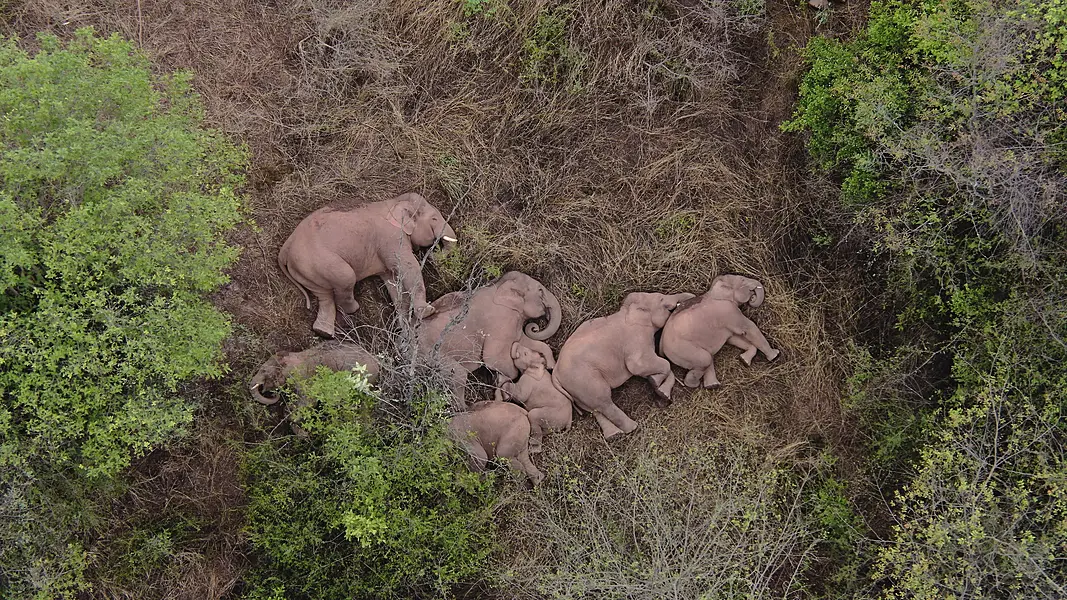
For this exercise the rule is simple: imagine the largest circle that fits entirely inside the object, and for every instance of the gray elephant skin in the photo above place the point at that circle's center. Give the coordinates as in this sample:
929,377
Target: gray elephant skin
549,409
338,356
331,250
465,333
495,430
605,352
701,327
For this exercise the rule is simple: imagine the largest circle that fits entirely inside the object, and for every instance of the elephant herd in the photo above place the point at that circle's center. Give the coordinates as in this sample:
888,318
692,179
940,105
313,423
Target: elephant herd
495,326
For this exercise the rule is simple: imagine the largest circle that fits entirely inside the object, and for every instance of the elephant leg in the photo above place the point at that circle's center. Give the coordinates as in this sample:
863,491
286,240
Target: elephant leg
709,380
616,415
654,368
696,359
476,456
412,288
749,351
525,464
457,377
324,320
607,428
755,337
537,422
389,279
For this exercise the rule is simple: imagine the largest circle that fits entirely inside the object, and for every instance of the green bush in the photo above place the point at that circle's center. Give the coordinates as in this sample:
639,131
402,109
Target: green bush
944,122
113,202
370,506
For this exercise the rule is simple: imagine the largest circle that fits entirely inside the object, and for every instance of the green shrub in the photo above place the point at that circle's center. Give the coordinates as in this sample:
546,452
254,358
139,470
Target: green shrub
113,202
372,505
943,121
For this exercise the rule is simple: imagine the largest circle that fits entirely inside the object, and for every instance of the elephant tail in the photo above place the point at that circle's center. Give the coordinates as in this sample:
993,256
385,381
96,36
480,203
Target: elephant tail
283,264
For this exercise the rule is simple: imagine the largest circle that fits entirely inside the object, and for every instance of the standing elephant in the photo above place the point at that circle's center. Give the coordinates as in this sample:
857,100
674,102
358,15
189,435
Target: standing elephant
698,330
549,408
338,356
495,430
330,250
604,352
468,333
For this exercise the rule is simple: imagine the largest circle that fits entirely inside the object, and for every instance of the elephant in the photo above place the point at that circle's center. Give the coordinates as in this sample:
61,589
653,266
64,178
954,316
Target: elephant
495,430
338,356
605,352
549,409
332,249
466,333
700,328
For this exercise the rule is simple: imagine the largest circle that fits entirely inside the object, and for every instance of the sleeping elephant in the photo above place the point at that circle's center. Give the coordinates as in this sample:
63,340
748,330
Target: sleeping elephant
338,356
549,409
331,249
466,333
700,328
604,352
495,430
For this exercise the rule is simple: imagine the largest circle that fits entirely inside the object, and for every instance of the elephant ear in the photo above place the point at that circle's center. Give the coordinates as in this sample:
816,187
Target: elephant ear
509,294
402,215
636,312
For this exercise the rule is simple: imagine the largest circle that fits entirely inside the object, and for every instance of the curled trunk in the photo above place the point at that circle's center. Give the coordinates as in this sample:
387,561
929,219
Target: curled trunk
758,298
258,395
555,318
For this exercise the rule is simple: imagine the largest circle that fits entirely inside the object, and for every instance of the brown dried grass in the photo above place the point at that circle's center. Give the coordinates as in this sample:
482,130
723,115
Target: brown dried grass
655,163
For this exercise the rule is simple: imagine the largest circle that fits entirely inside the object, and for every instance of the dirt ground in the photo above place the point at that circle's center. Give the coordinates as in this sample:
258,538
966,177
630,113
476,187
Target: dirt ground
634,149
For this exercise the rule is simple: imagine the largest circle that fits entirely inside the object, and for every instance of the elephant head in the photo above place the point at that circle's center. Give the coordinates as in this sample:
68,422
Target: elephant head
526,358
644,308
737,289
524,294
270,376
422,222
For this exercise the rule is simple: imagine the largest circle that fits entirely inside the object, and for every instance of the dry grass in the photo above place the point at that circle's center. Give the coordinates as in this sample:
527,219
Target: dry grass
652,161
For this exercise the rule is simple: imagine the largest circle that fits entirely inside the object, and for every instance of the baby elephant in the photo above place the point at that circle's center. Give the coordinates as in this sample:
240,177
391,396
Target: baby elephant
700,328
548,408
339,356
495,430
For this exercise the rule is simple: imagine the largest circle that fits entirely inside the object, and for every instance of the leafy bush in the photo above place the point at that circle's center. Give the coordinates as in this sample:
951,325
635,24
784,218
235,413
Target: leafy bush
113,201
944,122
713,522
370,506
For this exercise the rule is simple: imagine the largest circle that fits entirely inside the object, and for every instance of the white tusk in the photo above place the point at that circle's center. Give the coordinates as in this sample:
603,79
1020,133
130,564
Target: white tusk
448,239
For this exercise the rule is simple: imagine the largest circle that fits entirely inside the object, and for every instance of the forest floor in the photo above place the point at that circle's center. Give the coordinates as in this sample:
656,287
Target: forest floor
601,147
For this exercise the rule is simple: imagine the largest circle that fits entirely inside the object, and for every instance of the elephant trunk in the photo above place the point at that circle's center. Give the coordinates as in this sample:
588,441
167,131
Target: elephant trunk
256,391
448,239
758,298
555,317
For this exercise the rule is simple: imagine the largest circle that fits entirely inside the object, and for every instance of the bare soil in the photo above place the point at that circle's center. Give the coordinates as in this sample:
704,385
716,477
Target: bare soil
650,161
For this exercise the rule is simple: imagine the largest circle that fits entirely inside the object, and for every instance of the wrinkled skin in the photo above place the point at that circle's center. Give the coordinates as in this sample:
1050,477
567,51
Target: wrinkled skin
338,356
331,250
549,409
603,353
700,328
495,430
466,333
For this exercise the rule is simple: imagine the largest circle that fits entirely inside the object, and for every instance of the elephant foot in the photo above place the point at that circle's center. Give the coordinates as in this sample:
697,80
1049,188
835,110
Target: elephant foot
773,355
348,306
535,447
323,329
692,379
747,357
664,390
425,311
711,385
